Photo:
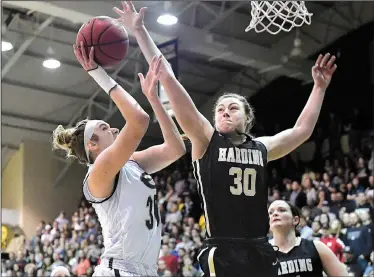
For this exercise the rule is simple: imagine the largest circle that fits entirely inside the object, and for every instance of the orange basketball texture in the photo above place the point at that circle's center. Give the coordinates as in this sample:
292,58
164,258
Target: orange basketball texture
108,37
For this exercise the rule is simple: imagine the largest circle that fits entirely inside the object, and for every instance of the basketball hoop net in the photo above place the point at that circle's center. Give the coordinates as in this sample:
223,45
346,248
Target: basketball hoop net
276,16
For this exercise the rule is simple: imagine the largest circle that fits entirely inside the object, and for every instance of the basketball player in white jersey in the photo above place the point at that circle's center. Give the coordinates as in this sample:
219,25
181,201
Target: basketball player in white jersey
117,183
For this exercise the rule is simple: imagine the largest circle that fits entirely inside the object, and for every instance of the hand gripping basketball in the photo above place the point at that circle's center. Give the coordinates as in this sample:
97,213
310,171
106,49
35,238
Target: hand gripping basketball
323,70
129,17
93,69
149,83
87,62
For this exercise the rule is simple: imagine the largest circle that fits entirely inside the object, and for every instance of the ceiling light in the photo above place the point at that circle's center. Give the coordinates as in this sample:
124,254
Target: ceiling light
167,19
6,46
51,63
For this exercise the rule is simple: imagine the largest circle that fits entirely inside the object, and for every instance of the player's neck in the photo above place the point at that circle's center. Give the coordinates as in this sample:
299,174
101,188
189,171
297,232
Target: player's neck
285,242
236,138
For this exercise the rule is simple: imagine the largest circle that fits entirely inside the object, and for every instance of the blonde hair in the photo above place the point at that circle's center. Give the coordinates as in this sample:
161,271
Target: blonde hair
62,138
71,140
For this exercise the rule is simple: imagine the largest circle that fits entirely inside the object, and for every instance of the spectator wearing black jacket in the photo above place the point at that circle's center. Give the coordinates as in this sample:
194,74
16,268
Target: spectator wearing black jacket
298,197
358,238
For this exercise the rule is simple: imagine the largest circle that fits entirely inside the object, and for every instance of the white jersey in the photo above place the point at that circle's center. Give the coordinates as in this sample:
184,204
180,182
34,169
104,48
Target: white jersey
130,218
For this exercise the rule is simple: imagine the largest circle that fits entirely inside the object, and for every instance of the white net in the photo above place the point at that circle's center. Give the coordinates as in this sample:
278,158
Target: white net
276,16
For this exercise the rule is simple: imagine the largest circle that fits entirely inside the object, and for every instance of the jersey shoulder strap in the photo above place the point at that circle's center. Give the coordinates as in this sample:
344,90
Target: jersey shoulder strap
217,140
260,145
115,184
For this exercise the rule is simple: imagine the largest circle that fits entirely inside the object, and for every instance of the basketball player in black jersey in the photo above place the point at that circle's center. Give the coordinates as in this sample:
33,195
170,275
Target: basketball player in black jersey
229,165
299,257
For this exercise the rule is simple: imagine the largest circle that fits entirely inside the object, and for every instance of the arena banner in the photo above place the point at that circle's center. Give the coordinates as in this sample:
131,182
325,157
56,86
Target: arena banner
170,51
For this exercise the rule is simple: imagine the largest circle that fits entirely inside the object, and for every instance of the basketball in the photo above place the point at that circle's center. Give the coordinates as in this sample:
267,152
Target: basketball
109,39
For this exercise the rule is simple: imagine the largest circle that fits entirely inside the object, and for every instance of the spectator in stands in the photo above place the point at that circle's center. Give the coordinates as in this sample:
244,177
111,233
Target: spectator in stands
335,244
174,215
351,261
298,197
161,267
60,271
369,271
311,193
171,261
305,231
359,240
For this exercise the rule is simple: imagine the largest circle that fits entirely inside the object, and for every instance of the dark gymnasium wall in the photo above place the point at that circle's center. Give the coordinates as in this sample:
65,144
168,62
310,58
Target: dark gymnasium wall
352,87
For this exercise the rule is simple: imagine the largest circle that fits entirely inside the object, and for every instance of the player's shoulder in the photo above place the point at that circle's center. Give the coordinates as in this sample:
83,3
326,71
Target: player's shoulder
307,242
129,165
263,141
318,245
217,140
217,137
132,164
313,246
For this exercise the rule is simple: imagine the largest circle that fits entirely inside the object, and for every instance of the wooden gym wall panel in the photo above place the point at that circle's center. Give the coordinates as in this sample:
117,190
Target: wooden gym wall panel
43,201
12,183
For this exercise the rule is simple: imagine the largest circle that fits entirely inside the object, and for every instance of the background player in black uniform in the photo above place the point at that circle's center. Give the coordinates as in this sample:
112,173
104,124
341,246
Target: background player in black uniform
297,256
229,165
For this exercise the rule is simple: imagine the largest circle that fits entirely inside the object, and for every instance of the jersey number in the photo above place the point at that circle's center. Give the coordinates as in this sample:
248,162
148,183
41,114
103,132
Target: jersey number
244,181
152,205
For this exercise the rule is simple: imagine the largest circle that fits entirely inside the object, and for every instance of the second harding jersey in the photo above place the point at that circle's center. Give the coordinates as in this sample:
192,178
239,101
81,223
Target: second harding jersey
301,261
130,218
231,184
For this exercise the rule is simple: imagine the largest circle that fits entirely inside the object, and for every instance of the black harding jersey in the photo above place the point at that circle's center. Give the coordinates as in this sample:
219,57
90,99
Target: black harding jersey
232,187
302,261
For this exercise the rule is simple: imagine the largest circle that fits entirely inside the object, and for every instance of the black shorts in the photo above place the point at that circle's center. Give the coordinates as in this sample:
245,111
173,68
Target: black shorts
237,258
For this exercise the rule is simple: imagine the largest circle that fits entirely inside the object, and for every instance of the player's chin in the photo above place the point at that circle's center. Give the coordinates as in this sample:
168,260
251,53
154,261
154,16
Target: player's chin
276,224
226,129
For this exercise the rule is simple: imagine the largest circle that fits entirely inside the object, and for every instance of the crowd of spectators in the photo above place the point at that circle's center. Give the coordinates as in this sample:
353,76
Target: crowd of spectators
336,201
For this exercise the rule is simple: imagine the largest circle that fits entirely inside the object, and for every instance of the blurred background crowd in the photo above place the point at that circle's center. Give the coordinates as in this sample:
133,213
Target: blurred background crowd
335,192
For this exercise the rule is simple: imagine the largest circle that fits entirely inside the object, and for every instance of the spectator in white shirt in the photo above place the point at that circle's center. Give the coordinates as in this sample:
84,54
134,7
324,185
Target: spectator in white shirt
305,231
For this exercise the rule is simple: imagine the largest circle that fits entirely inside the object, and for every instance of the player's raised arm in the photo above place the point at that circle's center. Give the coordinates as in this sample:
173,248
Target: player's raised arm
194,124
109,162
160,156
285,142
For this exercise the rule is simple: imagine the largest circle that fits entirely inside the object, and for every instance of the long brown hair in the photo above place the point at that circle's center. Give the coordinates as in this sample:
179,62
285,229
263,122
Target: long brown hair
295,212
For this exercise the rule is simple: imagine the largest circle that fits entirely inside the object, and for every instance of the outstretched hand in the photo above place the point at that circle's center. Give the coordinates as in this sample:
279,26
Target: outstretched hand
323,70
87,62
149,83
129,17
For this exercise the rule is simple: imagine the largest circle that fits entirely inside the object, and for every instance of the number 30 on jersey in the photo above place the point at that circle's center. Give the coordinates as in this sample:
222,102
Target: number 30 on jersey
244,181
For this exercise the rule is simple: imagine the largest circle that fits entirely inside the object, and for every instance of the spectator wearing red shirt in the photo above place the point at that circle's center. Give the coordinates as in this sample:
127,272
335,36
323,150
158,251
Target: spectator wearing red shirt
335,244
171,261
82,266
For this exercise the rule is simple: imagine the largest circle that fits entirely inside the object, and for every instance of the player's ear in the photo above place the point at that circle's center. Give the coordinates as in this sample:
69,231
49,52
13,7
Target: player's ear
296,220
92,146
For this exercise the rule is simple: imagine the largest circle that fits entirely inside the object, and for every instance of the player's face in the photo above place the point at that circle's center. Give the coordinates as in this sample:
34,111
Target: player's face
230,115
106,134
280,216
